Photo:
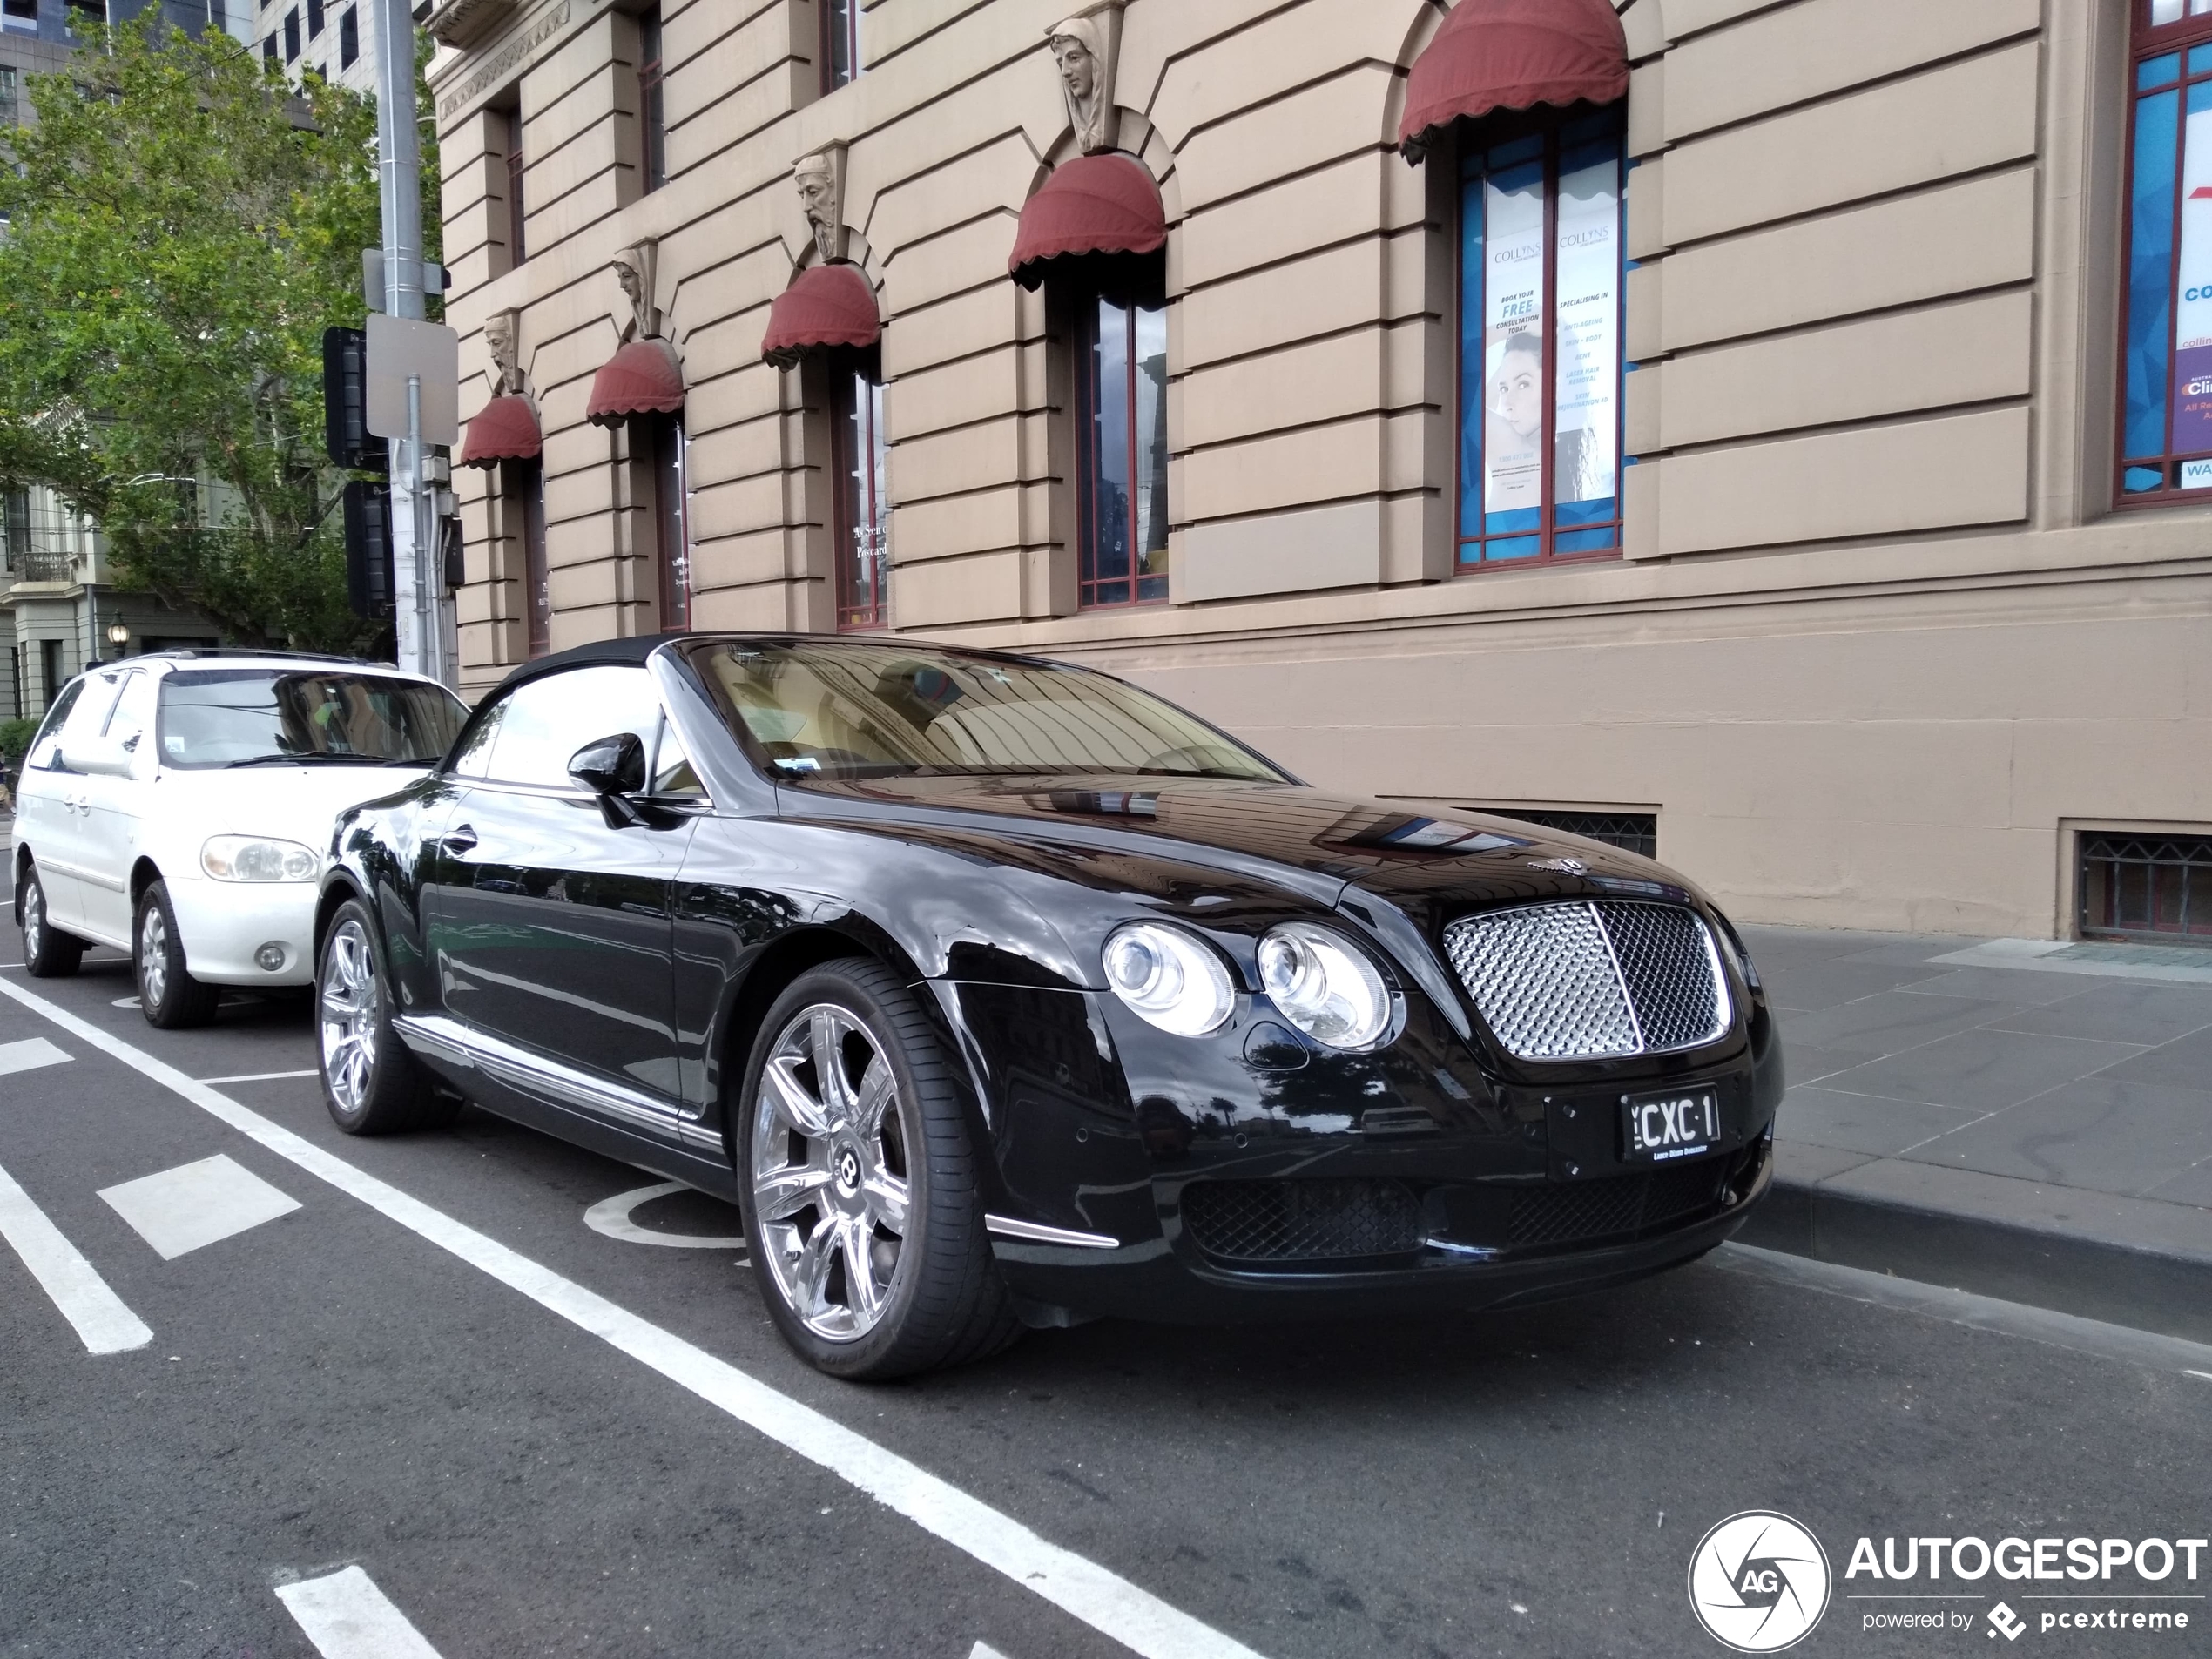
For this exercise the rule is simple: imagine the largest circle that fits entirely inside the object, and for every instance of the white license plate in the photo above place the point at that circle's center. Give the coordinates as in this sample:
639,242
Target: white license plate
1659,1128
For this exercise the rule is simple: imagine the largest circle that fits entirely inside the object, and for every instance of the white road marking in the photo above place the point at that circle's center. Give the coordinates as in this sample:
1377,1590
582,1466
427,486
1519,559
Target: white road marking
348,1617
611,1218
125,1002
181,1209
2207,1375
29,1054
984,1650
263,1077
82,1295
1103,1600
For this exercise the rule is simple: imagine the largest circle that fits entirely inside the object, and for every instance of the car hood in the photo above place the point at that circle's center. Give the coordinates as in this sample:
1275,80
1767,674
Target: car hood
293,803
1423,856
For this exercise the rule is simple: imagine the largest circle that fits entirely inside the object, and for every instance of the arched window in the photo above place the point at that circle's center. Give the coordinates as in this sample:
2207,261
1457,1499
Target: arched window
860,458
1540,281
1119,335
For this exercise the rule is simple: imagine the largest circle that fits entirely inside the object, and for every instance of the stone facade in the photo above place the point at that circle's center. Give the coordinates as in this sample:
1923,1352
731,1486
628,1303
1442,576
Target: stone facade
1878,642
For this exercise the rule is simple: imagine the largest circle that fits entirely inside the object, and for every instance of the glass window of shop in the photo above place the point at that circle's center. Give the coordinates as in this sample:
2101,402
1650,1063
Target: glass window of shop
862,460
1121,432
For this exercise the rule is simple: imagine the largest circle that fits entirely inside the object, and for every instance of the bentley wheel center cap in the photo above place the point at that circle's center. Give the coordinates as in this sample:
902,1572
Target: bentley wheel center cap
848,1170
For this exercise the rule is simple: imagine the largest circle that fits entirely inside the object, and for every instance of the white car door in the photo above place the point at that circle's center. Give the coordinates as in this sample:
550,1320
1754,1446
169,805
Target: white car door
111,824
55,827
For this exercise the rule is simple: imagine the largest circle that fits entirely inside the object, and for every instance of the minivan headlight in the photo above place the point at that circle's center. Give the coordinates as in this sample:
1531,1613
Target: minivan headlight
1169,977
253,858
1325,986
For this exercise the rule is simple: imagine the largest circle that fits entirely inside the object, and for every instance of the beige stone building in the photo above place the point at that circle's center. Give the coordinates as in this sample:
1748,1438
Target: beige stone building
1742,458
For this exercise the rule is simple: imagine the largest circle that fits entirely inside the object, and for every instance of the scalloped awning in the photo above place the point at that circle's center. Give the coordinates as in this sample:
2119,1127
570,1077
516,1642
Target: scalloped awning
1101,204
1513,54
829,306
504,429
642,378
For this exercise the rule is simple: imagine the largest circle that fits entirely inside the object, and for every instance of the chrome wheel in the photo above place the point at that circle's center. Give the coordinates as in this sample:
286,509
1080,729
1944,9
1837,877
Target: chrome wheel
347,1004
34,920
829,1172
154,956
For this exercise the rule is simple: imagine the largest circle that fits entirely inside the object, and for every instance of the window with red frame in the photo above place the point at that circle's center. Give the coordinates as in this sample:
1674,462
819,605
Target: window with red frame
652,121
1540,289
2166,341
861,455
672,531
841,43
1122,447
522,483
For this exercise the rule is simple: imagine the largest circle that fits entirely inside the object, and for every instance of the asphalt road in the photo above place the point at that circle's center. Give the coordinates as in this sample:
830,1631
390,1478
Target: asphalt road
552,1458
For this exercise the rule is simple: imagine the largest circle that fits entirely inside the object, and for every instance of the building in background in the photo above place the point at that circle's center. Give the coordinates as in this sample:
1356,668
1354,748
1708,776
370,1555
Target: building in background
336,40
1781,443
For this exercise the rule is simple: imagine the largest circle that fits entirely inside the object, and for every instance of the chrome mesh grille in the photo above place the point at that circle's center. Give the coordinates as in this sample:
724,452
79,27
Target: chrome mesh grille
1583,980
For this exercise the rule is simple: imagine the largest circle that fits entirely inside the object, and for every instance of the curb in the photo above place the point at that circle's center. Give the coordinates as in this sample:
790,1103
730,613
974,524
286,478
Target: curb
2139,1285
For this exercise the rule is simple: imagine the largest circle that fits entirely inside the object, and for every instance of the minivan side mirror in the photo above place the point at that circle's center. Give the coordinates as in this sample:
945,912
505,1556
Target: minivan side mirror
613,765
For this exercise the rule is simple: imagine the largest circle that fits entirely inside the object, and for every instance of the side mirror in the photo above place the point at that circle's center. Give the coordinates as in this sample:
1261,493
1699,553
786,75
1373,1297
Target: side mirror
104,757
613,766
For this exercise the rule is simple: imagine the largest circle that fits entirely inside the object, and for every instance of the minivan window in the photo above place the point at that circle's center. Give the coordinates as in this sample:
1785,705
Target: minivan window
251,717
45,748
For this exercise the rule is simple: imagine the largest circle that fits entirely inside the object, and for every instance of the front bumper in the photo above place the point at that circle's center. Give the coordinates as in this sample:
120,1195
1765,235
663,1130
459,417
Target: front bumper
224,923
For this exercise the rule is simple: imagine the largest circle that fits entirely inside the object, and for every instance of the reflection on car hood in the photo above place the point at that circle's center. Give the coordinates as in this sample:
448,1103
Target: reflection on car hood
295,803
1420,854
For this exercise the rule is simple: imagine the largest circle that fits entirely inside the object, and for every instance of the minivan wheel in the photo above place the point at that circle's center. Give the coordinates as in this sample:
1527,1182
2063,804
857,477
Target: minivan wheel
370,1082
47,951
863,1211
168,995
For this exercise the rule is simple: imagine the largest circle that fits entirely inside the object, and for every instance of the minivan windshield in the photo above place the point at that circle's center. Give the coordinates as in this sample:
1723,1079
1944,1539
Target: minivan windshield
252,717
820,709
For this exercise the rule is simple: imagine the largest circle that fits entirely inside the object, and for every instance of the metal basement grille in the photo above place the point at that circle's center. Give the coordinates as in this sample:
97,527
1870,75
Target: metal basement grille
1583,981
1302,1221
1616,1204
2148,886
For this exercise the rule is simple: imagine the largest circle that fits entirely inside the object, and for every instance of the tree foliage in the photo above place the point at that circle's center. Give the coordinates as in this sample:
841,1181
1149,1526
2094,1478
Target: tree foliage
182,226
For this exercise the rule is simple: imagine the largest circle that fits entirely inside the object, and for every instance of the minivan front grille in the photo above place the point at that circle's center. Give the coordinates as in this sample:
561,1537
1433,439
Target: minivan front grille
1587,980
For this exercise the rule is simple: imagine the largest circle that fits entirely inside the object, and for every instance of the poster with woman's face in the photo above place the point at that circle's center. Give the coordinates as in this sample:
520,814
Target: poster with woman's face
1512,341
1588,346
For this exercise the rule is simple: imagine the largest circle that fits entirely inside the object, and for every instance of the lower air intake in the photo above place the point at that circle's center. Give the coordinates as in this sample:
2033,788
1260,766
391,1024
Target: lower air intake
1615,1206
1302,1221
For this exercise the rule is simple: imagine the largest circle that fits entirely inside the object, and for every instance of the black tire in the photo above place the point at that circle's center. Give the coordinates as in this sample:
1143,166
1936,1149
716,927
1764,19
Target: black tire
48,952
169,996
944,1302
379,1089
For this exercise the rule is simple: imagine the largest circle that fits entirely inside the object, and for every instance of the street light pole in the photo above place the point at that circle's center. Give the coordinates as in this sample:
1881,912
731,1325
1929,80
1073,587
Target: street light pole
417,602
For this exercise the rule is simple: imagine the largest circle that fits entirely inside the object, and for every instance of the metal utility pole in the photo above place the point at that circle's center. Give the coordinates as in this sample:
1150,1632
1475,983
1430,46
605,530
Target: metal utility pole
421,610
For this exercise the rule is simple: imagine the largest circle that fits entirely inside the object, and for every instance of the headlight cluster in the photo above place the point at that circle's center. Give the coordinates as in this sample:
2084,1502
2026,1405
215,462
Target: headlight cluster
1326,986
252,858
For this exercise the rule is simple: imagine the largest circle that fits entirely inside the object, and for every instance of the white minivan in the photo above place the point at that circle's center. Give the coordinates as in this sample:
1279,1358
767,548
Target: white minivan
178,806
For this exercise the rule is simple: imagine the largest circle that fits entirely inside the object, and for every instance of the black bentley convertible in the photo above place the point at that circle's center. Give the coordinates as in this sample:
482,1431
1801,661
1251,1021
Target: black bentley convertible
1001,992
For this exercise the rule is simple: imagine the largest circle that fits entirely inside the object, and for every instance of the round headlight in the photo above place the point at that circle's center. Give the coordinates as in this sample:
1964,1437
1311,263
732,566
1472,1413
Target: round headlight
1325,986
252,858
1169,977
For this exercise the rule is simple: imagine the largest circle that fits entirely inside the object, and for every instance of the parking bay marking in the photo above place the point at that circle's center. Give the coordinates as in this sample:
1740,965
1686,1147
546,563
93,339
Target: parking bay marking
29,1054
610,1216
1100,1598
181,1210
74,1286
348,1617
263,1077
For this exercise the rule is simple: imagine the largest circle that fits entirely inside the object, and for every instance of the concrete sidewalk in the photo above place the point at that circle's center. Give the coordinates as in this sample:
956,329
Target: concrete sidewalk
2027,1120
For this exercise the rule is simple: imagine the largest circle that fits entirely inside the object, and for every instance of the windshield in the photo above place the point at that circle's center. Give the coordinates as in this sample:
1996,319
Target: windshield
822,710
244,717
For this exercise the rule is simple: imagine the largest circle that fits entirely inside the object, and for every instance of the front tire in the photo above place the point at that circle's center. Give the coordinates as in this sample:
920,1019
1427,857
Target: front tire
47,951
168,995
863,1213
370,1082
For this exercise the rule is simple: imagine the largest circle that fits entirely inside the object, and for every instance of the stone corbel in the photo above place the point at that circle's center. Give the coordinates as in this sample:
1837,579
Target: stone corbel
1085,48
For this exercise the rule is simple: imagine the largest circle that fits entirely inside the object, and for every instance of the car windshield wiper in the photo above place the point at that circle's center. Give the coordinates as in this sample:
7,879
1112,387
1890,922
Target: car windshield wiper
314,758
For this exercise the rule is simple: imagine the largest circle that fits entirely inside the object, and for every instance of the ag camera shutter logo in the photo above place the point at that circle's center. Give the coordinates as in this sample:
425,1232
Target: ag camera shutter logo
1758,1583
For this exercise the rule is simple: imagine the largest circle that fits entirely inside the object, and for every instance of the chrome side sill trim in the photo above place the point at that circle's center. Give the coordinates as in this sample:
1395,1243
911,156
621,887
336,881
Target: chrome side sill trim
443,1038
1007,1227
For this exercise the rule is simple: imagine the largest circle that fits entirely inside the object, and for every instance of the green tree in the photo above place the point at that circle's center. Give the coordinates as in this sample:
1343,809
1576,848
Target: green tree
181,226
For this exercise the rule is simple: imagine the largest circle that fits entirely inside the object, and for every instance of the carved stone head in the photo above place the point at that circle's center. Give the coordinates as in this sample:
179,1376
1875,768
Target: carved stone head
502,340
820,186
633,268
1084,50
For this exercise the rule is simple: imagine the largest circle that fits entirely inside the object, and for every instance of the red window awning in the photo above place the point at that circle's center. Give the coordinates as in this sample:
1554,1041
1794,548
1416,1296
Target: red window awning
642,378
1513,54
1102,204
829,306
504,429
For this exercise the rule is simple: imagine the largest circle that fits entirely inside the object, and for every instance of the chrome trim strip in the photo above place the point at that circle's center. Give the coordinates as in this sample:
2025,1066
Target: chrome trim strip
504,1061
1008,1227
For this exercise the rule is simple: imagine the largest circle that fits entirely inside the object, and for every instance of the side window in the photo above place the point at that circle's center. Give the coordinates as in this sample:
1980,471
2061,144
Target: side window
88,717
45,748
133,716
672,773
548,720
475,759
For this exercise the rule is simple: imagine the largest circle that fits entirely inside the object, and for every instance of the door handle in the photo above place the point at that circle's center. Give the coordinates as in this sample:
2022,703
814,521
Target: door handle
461,840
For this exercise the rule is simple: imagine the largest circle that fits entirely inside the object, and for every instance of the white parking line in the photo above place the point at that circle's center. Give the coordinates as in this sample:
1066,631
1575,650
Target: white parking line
82,1295
29,1054
610,1216
348,1617
1103,1600
263,1077
181,1209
